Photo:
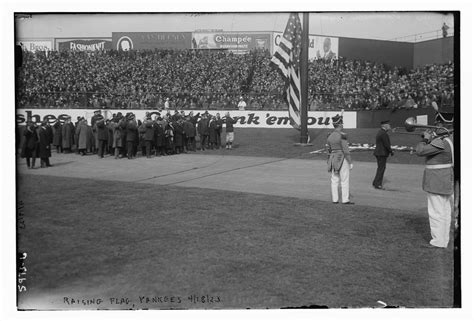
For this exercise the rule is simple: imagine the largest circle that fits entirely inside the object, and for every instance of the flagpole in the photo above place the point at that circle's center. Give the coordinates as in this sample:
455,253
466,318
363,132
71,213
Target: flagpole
304,78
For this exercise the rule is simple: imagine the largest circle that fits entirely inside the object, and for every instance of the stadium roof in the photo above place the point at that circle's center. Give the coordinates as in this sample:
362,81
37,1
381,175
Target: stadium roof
400,26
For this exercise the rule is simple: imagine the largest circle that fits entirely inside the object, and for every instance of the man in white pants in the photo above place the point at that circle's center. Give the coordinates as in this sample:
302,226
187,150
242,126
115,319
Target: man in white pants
339,161
438,182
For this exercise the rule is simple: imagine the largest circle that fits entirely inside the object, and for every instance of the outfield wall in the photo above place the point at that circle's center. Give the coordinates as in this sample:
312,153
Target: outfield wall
248,118
397,117
245,119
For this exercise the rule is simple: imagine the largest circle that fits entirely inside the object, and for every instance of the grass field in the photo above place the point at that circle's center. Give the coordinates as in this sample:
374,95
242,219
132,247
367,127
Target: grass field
280,143
128,245
249,250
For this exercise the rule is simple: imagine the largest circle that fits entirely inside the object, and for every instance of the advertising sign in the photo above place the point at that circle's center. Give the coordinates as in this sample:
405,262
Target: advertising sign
235,42
319,47
36,45
151,40
245,118
81,44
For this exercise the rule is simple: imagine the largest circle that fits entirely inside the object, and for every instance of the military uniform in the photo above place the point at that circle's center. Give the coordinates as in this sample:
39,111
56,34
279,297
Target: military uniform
339,162
438,182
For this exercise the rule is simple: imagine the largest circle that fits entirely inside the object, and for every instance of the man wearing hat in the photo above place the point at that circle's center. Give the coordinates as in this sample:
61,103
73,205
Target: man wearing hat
132,135
339,161
102,133
67,135
438,183
97,116
44,148
382,150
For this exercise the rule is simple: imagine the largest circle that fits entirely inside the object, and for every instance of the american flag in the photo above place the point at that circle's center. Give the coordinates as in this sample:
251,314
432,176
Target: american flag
287,59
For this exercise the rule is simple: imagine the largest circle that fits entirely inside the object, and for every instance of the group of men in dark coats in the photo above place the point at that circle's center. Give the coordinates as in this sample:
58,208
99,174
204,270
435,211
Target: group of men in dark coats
123,135
37,144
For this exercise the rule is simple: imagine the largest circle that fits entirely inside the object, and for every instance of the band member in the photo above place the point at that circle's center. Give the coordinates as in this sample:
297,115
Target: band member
83,139
339,161
67,135
102,135
160,139
117,143
97,116
203,130
212,132
57,136
169,139
229,130
44,147
149,135
190,134
438,182
178,134
219,123
382,150
30,144
132,127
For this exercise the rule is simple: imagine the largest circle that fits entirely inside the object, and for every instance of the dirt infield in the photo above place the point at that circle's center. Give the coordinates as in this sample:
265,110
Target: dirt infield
300,178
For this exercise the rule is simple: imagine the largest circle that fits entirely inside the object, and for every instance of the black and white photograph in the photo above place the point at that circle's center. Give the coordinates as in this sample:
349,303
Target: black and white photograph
225,160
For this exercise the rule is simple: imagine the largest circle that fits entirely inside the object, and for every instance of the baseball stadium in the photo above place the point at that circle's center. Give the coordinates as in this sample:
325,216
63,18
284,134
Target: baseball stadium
191,166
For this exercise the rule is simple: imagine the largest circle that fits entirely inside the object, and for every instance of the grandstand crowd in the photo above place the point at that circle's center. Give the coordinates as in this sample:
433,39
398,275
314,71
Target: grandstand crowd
214,80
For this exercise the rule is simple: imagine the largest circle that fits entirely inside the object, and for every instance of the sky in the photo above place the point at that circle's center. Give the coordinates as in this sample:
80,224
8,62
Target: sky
354,25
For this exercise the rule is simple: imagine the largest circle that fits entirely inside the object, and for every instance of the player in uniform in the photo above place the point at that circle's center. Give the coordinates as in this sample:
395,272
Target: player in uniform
339,161
438,182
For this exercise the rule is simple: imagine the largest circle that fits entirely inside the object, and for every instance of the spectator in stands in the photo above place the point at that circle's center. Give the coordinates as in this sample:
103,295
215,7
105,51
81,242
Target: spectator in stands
242,104
213,79
444,29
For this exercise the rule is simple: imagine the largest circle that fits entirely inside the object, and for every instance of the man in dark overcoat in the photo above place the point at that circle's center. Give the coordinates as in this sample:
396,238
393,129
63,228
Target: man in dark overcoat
57,136
102,135
149,135
203,131
44,145
219,123
67,135
159,137
382,150
189,134
132,136
30,144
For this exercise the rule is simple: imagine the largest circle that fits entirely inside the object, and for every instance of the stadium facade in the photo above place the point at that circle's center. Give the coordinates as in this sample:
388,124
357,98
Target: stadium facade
394,53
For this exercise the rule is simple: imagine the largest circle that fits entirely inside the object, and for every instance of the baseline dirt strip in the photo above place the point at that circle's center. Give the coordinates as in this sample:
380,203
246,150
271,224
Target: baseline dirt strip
306,179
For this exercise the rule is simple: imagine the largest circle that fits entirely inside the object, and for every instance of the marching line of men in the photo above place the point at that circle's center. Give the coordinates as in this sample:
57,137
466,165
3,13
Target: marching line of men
123,136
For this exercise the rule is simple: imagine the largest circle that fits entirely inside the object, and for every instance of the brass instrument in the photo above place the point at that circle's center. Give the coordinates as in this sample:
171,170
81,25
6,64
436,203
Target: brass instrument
412,128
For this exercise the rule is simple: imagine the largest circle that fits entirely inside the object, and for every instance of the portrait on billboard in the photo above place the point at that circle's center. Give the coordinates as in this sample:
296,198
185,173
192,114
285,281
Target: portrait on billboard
328,50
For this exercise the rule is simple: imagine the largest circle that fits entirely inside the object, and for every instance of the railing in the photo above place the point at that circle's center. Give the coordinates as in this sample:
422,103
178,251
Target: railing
207,101
149,100
429,35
